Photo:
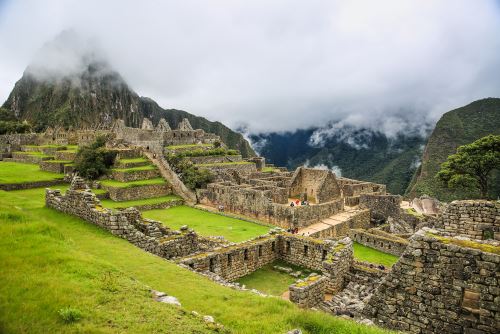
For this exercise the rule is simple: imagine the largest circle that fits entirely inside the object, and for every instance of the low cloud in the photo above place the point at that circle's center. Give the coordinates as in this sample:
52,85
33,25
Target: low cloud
386,66
335,169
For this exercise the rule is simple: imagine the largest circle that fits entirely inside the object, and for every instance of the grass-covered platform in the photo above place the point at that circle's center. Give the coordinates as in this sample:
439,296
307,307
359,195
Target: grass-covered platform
272,281
207,223
368,254
118,184
107,203
55,264
16,173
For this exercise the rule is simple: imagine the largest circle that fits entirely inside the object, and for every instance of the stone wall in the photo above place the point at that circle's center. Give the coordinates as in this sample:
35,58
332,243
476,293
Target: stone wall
359,220
220,170
140,192
65,155
352,187
385,242
381,206
239,260
129,176
260,202
30,185
474,219
13,142
215,159
149,235
441,284
28,158
52,166
309,292
314,185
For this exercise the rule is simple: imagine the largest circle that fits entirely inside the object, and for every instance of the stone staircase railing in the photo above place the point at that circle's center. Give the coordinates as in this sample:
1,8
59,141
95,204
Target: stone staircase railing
167,173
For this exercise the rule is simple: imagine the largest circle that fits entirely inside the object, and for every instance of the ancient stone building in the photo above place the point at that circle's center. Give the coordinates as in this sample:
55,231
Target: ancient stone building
314,185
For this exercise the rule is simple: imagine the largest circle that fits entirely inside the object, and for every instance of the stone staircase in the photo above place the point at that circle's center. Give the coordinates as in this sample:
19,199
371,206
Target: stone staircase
167,173
333,226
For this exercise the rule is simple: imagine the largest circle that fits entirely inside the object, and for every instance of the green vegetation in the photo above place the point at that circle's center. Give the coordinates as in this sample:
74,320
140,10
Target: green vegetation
9,123
15,172
139,183
94,160
135,169
271,281
205,153
472,165
133,160
467,243
51,261
368,254
207,223
455,128
192,176
107,203
36,153
270,169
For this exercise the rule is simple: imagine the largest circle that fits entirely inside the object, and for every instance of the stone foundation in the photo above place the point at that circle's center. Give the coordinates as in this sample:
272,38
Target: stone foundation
309,292
129,176
377,239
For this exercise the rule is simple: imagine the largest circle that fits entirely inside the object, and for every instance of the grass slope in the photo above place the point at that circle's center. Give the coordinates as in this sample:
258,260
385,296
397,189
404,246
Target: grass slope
51,260
15,172
118,184
368,254
207,223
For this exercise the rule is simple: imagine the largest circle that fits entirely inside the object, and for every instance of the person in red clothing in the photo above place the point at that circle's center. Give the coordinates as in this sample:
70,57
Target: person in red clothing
297,202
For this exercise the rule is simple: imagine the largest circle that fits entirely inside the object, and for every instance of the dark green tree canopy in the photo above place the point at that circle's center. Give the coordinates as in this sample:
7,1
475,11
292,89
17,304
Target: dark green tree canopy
94,160
472,165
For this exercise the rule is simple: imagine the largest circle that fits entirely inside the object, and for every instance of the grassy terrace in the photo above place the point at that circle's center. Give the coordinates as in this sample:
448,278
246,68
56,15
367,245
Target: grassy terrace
135,169
118,184
133,160
207,223
107,203
15,172
37,153
270,169
368,254
271,281
52,261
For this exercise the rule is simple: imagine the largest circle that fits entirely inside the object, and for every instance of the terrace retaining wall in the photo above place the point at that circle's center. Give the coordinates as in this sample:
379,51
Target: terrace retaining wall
139,192
384,242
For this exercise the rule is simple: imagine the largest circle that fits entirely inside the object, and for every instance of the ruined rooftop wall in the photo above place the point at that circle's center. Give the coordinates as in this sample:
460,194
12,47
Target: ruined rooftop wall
380,240
440,285
318,185
473,219
381,206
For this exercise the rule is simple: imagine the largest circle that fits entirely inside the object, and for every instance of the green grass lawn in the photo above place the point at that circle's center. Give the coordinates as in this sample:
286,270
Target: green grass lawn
271,281
15,172
107,203
118,184
207,223
36,153
225,164
51,261
364,253
133,160
135,169
270,169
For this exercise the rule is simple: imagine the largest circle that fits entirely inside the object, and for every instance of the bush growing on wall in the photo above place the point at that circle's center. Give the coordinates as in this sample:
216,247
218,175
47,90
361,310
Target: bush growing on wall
94,160
192,176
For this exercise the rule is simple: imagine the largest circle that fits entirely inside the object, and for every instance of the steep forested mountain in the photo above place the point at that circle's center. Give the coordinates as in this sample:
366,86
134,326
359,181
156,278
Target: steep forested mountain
455,128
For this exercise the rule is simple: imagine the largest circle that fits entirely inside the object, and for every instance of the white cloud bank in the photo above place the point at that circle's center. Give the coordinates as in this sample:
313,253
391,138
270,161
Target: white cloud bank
279,65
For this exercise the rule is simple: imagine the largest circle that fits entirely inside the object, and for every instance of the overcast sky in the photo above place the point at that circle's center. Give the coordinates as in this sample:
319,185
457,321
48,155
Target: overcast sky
279,65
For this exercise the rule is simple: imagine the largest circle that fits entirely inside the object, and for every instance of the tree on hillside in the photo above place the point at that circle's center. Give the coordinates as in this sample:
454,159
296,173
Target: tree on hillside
94,160
472,165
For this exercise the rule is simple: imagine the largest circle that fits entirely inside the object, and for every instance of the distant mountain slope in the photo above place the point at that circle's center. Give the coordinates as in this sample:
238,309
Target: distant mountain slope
391,161
92,94
455,128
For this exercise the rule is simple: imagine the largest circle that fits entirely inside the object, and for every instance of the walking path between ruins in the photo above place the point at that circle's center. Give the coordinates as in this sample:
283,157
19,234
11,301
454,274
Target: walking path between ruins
327,223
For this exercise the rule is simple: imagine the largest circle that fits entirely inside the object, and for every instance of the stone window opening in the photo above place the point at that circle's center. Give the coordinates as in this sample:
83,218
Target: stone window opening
306,250
288,248
245,254
212,265
229,260
191,265
323,255
273,246
260,250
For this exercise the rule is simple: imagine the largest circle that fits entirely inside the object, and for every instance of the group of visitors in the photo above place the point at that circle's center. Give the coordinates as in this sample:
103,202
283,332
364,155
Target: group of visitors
298,203
221,208
294,230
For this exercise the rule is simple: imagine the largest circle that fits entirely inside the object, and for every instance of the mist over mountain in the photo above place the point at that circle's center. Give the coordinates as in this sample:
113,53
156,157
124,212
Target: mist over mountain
353,153
72,84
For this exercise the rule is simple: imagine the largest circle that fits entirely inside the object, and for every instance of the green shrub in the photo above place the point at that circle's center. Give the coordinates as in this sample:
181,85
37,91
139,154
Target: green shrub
69,315
192,176
94,160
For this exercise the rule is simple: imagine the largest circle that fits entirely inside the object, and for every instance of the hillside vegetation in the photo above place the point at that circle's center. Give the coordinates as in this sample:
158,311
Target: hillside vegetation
55,265
455,128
